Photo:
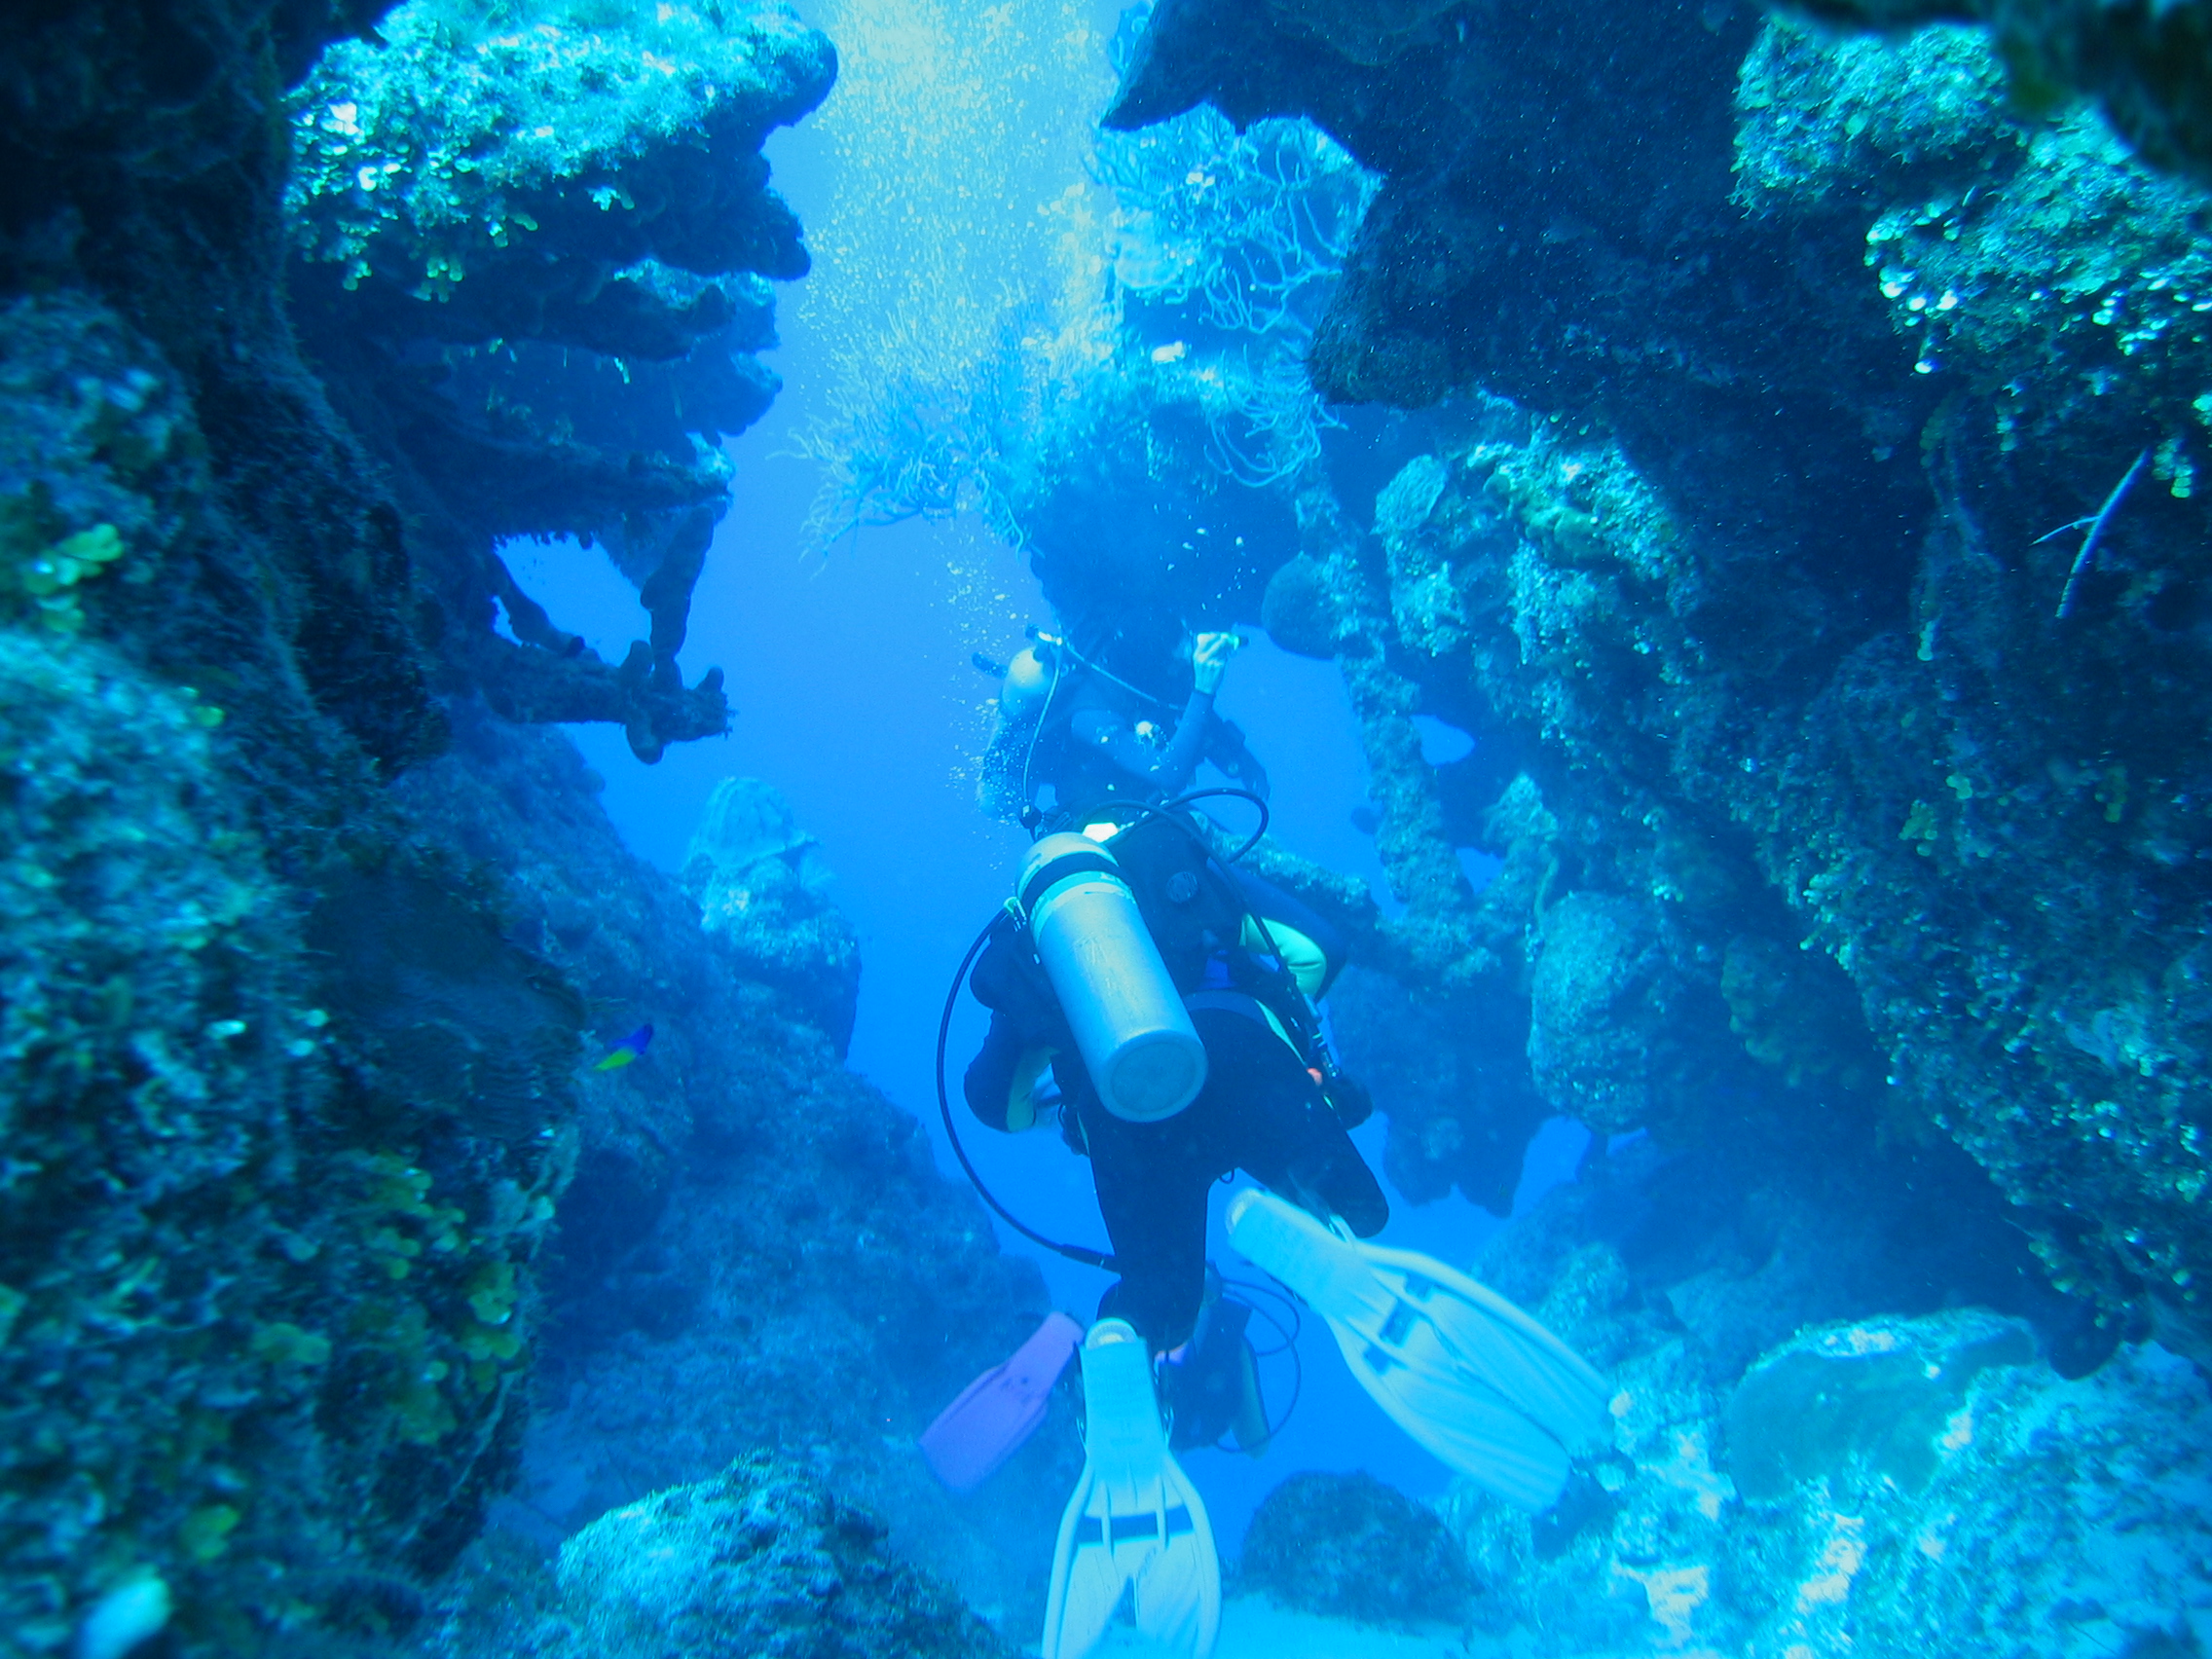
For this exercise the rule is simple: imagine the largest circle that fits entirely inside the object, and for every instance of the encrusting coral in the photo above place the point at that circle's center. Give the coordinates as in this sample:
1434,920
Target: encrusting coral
295,1068
530,256
1773,353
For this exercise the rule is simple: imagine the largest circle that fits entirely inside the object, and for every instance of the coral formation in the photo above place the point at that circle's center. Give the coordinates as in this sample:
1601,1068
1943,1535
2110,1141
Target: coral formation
1864,1485
760,1558
1348,1546
2145,67
1773,353
531,259
760,885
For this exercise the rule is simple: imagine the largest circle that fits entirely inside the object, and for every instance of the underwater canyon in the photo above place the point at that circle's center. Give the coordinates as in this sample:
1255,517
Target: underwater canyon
1724,473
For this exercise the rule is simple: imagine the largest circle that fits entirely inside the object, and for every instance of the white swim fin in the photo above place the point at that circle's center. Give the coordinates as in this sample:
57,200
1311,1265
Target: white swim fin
1461,1369
1134,1520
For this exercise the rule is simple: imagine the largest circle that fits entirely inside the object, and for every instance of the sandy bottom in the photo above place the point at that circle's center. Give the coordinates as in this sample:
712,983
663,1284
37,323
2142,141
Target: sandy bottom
1254,1628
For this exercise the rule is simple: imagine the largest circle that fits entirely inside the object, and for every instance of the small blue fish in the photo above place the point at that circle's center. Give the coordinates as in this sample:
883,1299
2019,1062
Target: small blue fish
629,1049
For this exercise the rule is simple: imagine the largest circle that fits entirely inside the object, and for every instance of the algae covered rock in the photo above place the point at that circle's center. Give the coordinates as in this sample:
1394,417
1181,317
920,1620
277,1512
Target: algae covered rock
263,1300
146,1006
531,254
1348,1546
1860,1407
99,459
469,130
761,886
2148,67
1892,1470
759,1561
1603,1002
1870,1484
1825,116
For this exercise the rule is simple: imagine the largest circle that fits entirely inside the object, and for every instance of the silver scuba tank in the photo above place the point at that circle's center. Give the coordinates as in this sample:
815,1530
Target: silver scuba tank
1129,1023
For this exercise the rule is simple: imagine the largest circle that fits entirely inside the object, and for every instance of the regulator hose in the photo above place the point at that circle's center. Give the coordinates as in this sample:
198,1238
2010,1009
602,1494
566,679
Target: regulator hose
1081,1253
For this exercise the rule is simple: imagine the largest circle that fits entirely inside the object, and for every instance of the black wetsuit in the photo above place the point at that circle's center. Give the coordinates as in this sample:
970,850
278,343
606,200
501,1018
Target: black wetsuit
1259,1111
1104,740
1102,754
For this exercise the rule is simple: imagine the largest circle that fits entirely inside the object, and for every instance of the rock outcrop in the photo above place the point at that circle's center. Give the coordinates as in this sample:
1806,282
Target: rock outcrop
757,1559
761,887
1774,353
305,937
760,1560
530,258
1865,1486
1348,1546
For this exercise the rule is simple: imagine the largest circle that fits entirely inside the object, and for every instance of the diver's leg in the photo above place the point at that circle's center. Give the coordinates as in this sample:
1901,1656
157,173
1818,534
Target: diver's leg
1335,1171
1152,1181
1291,1141
1313,948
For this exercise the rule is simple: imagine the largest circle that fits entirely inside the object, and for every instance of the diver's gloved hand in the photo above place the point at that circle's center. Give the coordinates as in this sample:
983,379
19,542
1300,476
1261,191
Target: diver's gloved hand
1209,660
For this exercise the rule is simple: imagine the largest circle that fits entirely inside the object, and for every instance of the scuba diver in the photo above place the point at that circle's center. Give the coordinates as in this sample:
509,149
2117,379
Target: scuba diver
1213,1057
1076,728
1160,1004
1076,735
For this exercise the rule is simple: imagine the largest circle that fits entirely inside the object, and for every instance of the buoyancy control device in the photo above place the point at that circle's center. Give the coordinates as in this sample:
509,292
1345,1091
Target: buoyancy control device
1220,863
1135,1036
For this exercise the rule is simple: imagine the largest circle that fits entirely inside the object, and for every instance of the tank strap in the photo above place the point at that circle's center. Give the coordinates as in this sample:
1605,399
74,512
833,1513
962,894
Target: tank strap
1068,865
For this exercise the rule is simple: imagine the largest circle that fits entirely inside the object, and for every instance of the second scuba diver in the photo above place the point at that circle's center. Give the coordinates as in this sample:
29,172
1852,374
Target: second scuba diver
1168,999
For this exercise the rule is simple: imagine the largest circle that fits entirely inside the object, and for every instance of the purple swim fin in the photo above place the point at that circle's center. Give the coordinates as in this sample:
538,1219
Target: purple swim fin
1001,1409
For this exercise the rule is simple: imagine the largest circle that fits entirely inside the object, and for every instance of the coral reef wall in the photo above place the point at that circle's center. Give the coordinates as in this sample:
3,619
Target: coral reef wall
208,637
303,309
1758,360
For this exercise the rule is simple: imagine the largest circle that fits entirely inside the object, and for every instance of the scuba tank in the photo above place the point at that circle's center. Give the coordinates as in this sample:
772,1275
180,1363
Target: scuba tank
1135,1036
